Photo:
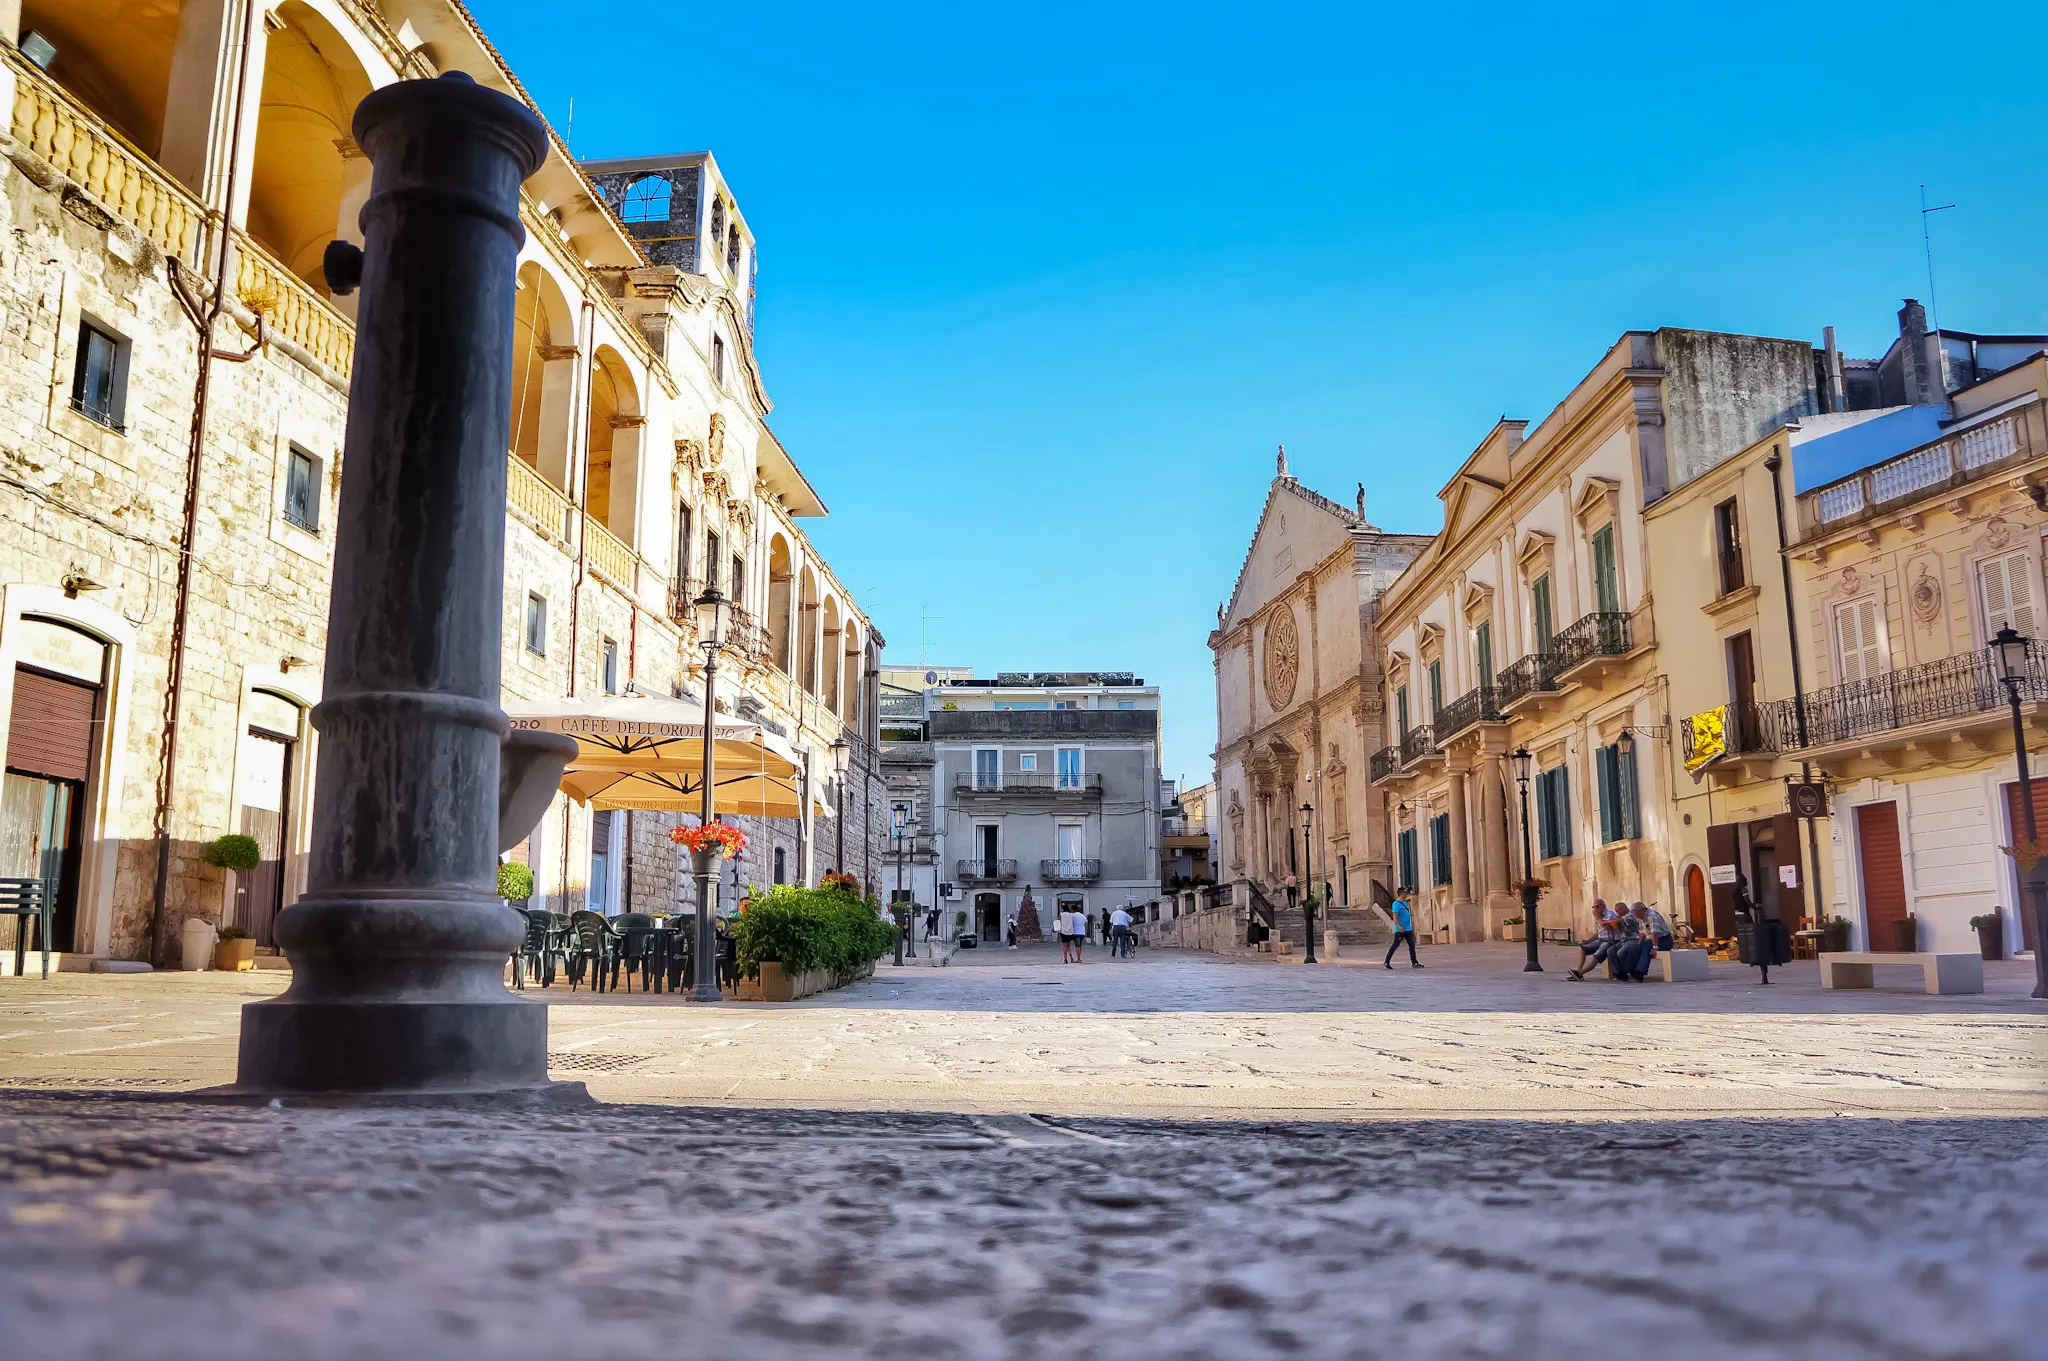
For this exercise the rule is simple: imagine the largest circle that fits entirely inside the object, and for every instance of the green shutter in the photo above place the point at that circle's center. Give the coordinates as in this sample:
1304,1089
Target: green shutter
1631,808
1606,588
1539,605
1603,780
1482,643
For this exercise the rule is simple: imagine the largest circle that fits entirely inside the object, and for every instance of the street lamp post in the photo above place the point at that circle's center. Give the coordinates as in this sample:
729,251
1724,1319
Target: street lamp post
2009,654
713,612
841,748
1308,901
900,823
1523,760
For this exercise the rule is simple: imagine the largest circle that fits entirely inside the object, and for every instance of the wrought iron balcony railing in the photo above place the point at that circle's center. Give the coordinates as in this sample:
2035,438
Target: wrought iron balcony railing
1602,634
1027,782
1385,762
1472,707
1952,687
1417,743
984,871
682,599
1065,871
1533,674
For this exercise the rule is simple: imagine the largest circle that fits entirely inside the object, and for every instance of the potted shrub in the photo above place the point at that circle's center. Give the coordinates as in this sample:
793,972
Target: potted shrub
1834,936
1906,934
515,882
236,950
1990,929
234,852
1513,928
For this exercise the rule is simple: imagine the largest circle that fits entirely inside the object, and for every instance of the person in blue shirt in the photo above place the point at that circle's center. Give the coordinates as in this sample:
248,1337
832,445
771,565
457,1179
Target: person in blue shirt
1404,929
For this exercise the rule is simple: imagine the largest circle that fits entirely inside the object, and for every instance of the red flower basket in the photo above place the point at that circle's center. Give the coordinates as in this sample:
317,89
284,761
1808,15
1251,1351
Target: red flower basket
728,840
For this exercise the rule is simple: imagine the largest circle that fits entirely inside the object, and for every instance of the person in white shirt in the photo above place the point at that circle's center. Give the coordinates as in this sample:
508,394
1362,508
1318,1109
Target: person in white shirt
1120,934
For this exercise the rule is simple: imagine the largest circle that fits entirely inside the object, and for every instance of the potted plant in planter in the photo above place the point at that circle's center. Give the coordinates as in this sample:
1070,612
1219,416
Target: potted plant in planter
1906,934
234,852
1834,936
515,882
1513,928
236,950
1990,929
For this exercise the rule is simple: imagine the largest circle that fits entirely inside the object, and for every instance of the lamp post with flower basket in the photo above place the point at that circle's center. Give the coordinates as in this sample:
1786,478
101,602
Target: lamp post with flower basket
710,840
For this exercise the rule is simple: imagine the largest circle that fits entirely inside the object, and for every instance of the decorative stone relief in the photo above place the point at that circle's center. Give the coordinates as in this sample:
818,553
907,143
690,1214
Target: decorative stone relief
1926,595
1851,584
1283,659
1996,536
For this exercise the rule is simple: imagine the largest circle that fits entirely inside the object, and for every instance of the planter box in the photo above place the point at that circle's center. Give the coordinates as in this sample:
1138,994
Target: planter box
1518,932
1991,939
777,986
231,956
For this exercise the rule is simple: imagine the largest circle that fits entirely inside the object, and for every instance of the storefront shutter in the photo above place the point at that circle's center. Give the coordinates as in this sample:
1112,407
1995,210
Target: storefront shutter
53,726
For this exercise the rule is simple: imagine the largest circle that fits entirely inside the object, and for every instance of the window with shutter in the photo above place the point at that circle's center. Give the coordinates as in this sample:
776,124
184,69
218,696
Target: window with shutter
1539,610
1606,585
2007,586
1859,641
1482,647
1610,801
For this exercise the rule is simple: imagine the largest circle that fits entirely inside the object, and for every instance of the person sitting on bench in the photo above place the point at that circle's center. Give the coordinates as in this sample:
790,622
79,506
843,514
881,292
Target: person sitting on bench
1605,936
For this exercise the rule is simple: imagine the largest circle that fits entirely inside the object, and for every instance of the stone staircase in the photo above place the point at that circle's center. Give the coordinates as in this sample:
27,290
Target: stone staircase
1359,929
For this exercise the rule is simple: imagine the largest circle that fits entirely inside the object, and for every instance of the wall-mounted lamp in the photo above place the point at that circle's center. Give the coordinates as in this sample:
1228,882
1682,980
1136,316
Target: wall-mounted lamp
285,664
37,49
74,582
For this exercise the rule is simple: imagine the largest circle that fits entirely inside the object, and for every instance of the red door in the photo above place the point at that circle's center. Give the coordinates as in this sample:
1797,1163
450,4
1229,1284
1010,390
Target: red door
1883,872
2017,820
1696,900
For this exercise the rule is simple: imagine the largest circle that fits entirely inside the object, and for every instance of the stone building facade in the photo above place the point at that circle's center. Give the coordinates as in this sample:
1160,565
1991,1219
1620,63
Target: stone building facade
162,149
1298,698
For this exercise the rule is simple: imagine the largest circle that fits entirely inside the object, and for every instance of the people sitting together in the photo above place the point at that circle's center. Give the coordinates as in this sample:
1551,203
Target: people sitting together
1628,939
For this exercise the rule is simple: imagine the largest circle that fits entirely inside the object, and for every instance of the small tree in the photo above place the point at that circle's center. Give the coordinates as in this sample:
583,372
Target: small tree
515,882
234,852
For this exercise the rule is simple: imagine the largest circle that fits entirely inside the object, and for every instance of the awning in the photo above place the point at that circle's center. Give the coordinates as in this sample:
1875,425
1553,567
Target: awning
642,752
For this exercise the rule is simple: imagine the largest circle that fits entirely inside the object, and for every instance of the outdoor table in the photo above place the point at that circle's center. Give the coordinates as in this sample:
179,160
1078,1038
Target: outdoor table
661,939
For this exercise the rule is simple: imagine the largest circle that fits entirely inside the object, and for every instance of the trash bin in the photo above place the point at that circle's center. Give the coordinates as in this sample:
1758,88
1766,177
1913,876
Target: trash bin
1745,942
196,941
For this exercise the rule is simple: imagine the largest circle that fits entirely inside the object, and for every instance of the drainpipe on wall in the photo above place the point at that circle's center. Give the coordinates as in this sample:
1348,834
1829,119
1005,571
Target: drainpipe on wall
174,685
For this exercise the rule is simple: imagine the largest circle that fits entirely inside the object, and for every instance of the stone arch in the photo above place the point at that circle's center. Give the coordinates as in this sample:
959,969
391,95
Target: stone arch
781,578
115,57
307,179
807,633
849,666
830,640
612,460
543,374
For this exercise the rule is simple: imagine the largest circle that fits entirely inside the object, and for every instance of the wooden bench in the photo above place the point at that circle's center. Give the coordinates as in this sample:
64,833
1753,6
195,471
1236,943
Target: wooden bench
1941,973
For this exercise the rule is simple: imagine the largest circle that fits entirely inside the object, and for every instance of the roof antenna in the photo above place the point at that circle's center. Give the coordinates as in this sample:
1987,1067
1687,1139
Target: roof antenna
569,132
1927,245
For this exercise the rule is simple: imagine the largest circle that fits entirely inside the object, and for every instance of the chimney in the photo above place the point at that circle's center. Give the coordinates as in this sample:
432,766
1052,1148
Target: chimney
1834,392
1923,387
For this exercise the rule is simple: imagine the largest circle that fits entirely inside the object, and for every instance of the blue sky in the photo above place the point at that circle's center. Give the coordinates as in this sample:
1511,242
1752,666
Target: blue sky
1042,287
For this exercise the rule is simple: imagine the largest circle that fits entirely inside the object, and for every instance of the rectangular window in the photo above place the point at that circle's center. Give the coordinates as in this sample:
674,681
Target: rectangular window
1606,583
1553,814
1343,884
1482,653
1742,724
988,768
1440,849
536,624
718,360
1409,871
1027,761
1067,762
2007,586
1859,645
610,668
1400,713
683,518
1620,815
1436,688
302,490
1540,616
739,579
1728,546
711,557
101,374
1126,704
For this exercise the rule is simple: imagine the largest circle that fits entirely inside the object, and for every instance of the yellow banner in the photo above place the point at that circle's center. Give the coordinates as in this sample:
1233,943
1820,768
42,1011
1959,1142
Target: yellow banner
1709,737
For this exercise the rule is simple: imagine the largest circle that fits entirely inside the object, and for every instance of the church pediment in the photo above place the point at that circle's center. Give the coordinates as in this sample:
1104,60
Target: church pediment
1297,529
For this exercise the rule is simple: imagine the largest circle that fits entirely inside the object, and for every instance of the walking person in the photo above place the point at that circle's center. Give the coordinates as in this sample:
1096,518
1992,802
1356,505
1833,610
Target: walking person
1010,932
1120,934
1404,929
1077,923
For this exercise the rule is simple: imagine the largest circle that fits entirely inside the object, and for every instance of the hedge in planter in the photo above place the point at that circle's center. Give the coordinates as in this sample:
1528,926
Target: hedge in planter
234,852
810,928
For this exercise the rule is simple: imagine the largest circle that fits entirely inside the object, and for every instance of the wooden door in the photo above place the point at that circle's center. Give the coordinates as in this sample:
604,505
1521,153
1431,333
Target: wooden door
2017,820
1742,700
1883,872
1696,900
1793,897
1723,849
266,792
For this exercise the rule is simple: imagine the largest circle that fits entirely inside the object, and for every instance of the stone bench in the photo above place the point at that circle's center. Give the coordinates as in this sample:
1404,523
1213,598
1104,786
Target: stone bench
1941,973
1684,966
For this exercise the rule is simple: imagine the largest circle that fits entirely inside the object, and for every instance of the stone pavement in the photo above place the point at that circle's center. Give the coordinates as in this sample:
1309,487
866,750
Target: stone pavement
1175,1035
139,1228
977,1161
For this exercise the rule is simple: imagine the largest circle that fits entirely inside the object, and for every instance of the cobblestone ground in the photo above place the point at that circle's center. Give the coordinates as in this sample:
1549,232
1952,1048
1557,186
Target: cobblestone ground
1173,1158
168,1229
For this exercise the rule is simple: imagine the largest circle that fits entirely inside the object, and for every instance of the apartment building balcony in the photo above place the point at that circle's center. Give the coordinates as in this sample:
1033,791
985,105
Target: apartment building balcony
1980,451
1468,710
1419,744
1954,708
1523,686
1385,763
985,871
745,636
682,600
1589,649
1041,784
1070,871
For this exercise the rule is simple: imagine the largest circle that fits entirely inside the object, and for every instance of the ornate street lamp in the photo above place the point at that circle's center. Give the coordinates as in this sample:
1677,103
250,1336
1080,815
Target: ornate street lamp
1523,760
1308,902
714,612
841,751
2009,655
